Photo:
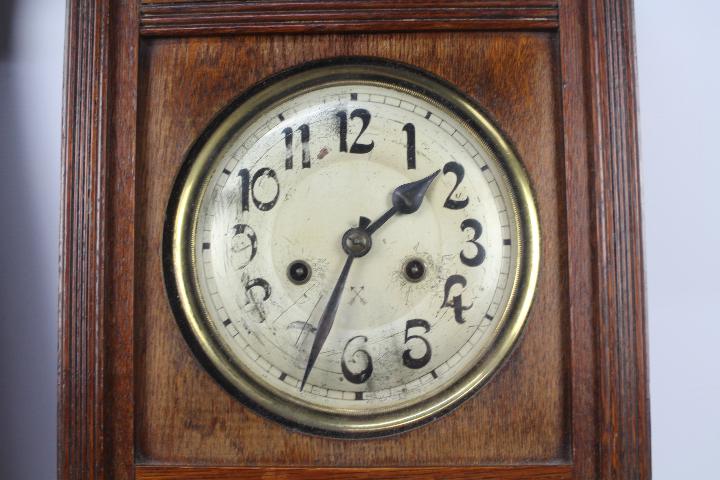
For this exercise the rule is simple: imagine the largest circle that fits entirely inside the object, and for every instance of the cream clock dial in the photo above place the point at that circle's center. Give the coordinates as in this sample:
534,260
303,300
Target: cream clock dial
352,248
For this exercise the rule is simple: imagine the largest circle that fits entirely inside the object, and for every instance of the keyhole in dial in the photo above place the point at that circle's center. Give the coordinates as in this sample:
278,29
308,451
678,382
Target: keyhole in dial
414,270
299,272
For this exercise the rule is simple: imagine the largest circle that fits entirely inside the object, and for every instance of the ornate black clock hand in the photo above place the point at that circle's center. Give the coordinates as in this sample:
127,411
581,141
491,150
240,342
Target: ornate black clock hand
356,242
327,318
406,199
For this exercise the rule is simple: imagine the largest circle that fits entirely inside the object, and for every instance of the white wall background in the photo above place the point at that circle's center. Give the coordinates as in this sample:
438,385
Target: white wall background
679,70
31,59
678,47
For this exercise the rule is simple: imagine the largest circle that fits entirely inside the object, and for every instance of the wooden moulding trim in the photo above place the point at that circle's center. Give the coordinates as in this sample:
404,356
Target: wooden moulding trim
550,472
81,295
582,392
212,18
621,340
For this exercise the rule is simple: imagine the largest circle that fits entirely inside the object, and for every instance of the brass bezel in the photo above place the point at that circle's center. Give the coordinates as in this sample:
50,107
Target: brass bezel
179,245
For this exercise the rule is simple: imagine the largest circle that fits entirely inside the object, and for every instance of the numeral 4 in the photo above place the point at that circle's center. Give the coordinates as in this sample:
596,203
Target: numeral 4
456,302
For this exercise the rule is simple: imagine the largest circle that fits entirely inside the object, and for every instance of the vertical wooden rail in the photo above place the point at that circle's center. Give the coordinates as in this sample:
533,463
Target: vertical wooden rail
81,296
624,407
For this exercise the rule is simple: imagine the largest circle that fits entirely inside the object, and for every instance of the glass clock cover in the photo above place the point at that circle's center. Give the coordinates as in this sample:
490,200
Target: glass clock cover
352,247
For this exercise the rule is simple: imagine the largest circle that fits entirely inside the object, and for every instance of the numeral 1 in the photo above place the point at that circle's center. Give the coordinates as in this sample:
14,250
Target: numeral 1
409,129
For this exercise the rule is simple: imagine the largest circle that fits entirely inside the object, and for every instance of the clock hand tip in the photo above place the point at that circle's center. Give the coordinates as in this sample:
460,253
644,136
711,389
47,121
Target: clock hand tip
407,198
305,377
429,179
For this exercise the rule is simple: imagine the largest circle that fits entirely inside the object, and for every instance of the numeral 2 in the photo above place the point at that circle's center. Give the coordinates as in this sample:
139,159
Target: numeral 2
459,172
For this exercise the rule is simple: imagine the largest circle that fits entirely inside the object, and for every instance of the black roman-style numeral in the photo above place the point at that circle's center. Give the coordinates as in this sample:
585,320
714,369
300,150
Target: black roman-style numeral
238,247
261,283
409,130
416,362
356,147
479,256
248,188
361,357
304,142
459,172
456,302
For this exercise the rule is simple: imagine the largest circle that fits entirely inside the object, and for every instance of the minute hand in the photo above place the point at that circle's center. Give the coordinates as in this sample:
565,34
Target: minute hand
406,199
327,319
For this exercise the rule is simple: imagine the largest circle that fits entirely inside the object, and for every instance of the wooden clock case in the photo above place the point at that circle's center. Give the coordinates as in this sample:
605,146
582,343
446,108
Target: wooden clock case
144,79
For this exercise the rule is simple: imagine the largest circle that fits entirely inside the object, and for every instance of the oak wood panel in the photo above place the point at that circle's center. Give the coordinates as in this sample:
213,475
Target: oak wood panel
606,365
184,416
623,430
212,18
120,253
82,294
581,251
553,472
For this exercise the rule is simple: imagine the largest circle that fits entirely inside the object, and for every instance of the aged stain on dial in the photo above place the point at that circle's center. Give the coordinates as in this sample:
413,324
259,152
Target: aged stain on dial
350,253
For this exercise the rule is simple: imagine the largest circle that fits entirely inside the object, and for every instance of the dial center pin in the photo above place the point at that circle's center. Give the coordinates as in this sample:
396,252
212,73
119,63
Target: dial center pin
356,242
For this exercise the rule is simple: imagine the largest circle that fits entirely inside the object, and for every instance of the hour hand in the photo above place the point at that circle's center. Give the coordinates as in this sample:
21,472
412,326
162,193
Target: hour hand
406,199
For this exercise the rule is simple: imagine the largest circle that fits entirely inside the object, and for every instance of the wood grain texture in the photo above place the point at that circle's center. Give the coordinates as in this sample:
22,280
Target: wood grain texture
554,472
183,416
161,18
623,431
82,295
120,315
580,233
593,410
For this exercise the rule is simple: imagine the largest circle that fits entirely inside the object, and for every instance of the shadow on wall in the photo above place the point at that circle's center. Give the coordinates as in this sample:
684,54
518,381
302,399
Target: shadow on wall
30,88
7,9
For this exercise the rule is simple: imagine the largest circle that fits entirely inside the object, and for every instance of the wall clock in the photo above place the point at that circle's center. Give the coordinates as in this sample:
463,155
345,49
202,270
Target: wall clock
351,240
331,320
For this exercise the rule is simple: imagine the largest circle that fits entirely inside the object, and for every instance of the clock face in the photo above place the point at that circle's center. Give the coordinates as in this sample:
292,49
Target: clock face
353,247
